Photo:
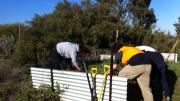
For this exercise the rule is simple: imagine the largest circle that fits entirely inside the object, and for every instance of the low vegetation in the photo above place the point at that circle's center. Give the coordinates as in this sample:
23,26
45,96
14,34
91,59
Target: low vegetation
16,85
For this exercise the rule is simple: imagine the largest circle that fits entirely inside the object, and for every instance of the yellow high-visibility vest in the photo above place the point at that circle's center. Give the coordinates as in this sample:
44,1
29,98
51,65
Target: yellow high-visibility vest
128,52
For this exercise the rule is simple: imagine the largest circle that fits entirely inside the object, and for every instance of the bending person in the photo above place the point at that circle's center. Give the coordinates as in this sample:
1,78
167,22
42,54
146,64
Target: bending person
65,54
137,65
160,65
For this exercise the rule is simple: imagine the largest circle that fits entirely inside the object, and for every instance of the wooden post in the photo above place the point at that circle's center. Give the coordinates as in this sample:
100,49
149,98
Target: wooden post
174,46
52,79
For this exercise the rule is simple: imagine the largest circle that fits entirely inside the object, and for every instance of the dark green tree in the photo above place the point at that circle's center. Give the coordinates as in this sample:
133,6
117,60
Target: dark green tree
9,35
177,25
142,16
91,23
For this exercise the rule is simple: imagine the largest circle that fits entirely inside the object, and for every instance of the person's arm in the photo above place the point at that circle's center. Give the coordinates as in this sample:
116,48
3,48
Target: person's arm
164,84
117,60
78,68
74,60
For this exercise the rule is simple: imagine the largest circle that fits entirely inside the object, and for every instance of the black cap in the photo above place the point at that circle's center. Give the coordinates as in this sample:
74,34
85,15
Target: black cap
118,46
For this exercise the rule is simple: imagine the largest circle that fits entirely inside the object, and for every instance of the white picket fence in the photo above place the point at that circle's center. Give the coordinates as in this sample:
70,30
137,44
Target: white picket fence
74,85
172,56
40,76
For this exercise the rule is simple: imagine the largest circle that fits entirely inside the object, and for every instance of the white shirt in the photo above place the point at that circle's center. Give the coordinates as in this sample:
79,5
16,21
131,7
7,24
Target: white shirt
146,48
68,50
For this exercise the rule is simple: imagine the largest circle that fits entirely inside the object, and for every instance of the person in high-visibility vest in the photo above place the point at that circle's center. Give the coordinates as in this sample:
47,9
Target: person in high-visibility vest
137,65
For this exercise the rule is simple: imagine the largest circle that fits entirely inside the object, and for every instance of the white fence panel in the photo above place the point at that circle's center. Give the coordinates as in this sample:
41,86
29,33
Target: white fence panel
40,76
172,57
74,85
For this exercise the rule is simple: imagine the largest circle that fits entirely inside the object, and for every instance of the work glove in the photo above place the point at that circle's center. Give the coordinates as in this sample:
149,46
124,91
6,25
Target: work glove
168,98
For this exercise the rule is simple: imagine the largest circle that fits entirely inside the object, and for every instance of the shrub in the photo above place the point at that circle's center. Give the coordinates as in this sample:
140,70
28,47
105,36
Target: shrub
44,93
175,67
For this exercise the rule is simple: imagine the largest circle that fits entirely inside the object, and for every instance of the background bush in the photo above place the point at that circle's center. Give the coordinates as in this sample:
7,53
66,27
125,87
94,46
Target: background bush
44,93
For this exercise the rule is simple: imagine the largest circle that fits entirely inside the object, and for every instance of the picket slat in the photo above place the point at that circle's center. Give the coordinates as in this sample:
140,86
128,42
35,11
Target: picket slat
41,73
40,69
79,74
76,84
84,78
41,76
41,79
41,82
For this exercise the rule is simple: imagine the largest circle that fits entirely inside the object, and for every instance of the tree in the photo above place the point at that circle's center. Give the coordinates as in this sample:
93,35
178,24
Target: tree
161,41
27,52
9,35
93,24
140,13
177,25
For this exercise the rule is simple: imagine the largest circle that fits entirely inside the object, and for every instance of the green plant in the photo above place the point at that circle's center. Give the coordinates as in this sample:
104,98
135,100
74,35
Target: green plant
99,66
43,93
175,67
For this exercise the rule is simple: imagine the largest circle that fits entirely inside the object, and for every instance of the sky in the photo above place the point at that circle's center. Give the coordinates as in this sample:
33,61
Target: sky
19,11
167,13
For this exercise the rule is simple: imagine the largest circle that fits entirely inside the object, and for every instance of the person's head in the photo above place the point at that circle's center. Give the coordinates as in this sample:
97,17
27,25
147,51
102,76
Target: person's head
118,46
80,49
77,47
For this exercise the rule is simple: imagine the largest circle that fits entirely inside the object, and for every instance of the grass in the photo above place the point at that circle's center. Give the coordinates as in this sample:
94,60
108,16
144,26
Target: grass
99,66
176,95
175,67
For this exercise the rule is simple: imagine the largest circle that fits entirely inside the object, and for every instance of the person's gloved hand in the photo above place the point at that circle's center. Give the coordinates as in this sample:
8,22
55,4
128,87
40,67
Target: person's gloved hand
78,69
168,98
83,70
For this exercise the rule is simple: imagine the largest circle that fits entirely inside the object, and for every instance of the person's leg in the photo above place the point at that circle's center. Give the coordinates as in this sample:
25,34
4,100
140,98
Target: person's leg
56,59
155,83
144,82
164,83
68,64
131,72
143,74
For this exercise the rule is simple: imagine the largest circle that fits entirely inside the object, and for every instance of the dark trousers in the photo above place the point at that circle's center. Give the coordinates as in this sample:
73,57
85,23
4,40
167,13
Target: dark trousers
159,71
163,75
59,62
159,82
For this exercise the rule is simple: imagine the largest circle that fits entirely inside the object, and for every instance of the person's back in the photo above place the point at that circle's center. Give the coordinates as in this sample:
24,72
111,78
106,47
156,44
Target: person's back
66,49
128,53
65,53
146,48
